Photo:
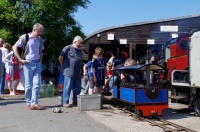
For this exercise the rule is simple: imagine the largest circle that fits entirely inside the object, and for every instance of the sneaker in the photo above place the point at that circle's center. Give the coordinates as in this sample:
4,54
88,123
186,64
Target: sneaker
82,93
67,105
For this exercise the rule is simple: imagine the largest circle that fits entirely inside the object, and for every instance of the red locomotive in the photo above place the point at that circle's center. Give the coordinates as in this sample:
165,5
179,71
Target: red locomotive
183,61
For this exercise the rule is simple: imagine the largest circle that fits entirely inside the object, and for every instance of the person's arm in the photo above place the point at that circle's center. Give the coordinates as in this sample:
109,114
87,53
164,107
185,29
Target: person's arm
85,70
63,54
94,71
16,52
41,57
41,49
94,75
7,58
18,44
61,59
123,79
113,67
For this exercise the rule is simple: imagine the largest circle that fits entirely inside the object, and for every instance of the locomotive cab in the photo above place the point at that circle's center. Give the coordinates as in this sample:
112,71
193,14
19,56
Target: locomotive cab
183,70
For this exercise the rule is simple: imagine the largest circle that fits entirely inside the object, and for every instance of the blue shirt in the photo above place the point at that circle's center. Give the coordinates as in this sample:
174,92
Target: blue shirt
89,65
72,61
100,65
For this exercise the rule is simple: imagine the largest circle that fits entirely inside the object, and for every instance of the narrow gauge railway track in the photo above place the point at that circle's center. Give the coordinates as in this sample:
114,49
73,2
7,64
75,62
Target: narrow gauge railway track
154,121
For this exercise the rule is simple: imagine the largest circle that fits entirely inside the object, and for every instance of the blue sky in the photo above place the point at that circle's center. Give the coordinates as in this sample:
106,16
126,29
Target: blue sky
105,13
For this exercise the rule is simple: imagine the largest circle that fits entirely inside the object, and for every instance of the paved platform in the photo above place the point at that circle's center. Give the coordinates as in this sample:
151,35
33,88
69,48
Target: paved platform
15,116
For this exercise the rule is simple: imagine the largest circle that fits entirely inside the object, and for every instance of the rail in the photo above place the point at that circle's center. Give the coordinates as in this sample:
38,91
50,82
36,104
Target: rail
155,121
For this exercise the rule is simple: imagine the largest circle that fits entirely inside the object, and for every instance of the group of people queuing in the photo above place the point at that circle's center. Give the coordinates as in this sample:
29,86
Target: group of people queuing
9,68
30,62
98,73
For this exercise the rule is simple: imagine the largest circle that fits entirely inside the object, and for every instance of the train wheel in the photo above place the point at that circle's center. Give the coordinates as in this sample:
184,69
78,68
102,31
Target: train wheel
138,112
197,105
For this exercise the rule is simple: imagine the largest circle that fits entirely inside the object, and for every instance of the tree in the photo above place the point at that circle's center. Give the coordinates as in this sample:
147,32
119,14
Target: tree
18,16
5,34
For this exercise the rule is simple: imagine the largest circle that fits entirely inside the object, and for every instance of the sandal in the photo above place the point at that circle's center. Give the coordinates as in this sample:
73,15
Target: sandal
36,107
67,105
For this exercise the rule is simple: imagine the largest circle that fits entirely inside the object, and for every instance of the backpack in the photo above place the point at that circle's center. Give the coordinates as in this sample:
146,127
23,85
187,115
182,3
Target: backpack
23,50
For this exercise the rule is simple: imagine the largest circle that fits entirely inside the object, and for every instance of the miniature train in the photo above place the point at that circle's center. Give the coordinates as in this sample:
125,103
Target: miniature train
148,97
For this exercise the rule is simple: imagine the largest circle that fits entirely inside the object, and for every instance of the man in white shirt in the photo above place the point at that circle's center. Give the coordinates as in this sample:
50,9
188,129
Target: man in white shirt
4,51
1,69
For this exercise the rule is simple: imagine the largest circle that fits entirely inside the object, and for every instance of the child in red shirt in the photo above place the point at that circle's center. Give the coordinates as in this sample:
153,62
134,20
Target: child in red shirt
109,67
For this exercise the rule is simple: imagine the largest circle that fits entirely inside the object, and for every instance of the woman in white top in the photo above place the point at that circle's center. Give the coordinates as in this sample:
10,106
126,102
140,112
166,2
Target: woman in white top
12,72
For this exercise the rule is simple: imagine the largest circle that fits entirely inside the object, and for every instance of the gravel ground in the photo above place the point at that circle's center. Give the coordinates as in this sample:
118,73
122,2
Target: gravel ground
120,121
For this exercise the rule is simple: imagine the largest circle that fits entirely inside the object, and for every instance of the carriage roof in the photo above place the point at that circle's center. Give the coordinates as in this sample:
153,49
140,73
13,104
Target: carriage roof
152,67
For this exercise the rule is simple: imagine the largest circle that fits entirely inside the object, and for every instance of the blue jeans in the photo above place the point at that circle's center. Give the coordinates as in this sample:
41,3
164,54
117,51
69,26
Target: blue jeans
70,83
32,75
86,88
113,81
2,80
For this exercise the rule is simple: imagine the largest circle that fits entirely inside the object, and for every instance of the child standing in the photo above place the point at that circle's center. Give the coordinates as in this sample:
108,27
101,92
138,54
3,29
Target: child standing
88,71
99,70
109,67
12,72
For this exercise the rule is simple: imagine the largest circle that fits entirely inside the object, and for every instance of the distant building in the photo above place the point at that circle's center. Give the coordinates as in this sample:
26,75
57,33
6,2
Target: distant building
135,39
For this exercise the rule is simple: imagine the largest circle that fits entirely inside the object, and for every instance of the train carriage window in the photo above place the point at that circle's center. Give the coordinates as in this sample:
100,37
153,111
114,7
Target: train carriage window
184,44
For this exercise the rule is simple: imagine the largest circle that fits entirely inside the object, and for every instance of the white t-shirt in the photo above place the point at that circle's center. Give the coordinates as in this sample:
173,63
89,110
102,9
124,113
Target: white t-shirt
111,59
4,53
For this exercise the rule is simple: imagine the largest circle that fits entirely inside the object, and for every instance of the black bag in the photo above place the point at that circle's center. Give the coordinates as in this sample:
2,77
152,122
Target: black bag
22,49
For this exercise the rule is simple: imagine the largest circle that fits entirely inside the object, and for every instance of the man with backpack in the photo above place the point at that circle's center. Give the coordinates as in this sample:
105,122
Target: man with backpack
32,61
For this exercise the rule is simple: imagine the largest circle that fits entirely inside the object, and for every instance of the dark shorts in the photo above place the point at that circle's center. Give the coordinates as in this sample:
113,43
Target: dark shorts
91,82
100,83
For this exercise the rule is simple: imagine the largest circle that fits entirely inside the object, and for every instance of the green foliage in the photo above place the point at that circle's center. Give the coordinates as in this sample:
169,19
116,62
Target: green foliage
18,16
5,34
